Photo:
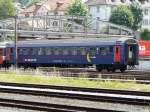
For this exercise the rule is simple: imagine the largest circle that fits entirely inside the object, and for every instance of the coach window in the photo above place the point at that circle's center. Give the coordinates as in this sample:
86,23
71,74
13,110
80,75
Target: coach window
11,50
107,50
48,51
56,51
65,51
20,51
41,51
82,51
111,49
33,51
103,50
1,52
25,51
93,50
74,51
4,51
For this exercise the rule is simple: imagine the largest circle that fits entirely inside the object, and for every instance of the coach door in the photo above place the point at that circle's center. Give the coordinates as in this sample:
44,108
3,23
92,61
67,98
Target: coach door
7,54
131,53
1,56
117,53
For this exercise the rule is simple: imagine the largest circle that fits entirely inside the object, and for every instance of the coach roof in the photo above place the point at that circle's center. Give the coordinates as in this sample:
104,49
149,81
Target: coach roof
72,42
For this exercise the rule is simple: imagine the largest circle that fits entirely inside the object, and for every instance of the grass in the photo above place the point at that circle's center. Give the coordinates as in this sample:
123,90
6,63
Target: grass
53,80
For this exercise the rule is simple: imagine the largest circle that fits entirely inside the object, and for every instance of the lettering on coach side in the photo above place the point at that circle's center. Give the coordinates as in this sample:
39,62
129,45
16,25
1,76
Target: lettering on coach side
30,60
142,48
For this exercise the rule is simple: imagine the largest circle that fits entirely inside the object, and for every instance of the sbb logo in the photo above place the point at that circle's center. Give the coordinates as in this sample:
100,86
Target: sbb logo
142,48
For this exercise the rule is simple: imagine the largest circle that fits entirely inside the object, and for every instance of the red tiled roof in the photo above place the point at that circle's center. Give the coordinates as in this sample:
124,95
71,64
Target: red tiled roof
96,2
57,4
52,5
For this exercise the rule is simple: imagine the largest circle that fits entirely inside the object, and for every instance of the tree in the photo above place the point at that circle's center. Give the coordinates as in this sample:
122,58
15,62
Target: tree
77,8
145,34
137,12
122,15
7,9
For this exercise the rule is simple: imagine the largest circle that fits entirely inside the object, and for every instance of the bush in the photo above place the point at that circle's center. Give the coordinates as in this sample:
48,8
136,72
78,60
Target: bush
145,34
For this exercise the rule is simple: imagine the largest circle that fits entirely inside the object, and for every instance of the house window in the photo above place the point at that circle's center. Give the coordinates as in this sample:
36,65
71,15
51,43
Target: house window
98,9
55,23
145,22
123,1
89,9
146,11
112,0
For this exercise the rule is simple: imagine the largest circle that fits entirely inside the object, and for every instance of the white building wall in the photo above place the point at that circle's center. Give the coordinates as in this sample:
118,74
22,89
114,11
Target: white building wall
42,11
146,18
103,11
100,11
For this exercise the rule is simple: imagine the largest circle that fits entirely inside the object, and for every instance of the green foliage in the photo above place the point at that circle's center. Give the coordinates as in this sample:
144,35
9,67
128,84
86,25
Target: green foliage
7,9
137,12
11,38
75,82
122,15
130,16
145,34
77,8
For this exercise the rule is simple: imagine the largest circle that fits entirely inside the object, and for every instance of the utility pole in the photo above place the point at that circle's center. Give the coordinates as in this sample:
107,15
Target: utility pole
16,40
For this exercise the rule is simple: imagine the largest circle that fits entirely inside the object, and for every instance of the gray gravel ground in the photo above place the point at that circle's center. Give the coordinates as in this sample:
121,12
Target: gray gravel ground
102,105
7,109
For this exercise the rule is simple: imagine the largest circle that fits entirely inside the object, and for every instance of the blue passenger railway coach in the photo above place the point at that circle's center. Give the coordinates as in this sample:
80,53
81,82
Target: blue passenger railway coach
104,53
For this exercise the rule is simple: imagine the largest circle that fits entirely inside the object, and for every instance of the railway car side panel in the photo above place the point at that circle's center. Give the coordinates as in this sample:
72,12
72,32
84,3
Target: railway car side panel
69,55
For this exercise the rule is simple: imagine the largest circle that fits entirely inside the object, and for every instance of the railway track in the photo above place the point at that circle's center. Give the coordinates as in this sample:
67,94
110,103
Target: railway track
28,105
90,94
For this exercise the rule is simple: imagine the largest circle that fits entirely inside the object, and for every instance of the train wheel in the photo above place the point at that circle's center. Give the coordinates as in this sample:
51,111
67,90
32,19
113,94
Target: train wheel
113,70
99,68
122,70
108,70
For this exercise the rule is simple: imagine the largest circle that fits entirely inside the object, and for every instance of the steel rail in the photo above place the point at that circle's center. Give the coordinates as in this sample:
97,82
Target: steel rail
98,90
120,96
28,105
